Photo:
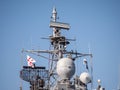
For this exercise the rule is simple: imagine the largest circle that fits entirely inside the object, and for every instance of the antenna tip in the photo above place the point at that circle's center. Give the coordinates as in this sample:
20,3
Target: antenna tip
54,10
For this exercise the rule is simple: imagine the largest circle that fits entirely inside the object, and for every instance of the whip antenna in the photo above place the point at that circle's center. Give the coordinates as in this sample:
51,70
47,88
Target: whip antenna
91,66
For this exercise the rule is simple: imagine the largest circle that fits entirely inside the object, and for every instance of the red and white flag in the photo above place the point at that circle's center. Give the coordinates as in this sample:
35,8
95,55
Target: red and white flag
30,61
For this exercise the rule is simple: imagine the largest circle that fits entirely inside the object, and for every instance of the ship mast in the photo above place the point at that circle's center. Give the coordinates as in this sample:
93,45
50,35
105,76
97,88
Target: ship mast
58,43
57,53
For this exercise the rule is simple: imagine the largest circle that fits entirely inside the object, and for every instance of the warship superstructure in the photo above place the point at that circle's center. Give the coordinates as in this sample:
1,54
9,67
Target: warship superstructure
61,72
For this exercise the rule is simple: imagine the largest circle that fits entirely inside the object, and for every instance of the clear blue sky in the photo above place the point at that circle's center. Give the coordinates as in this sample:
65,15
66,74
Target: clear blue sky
94,22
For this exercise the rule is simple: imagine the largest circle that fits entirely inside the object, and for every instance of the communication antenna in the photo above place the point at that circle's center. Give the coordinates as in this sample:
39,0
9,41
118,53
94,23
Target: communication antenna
91,66
86,64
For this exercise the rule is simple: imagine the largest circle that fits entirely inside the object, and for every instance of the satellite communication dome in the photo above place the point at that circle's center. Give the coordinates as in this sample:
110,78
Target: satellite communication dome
85,78
65,68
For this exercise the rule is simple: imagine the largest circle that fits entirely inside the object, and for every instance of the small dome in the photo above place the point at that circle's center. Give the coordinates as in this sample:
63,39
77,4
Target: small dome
85,78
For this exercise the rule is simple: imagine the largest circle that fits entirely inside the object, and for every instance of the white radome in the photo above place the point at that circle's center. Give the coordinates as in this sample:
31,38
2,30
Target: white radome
85,78
65,68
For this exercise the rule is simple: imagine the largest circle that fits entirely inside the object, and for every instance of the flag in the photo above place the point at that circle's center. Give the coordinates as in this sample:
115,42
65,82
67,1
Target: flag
30,61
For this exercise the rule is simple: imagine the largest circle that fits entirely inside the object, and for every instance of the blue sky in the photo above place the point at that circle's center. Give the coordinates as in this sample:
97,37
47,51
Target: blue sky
93,22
